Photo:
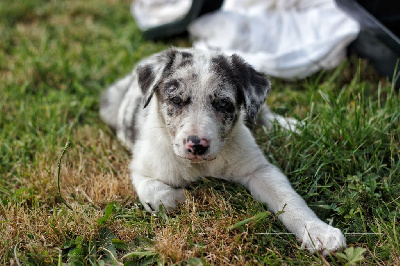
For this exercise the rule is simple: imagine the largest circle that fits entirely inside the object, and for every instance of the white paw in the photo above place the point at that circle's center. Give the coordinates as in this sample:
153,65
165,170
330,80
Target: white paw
321,237
169,198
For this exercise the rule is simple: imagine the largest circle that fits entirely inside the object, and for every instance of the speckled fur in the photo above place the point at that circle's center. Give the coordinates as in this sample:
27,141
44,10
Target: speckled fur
211,96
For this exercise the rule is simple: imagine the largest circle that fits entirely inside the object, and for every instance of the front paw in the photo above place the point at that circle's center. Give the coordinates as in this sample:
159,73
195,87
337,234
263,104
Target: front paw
321,237
169,198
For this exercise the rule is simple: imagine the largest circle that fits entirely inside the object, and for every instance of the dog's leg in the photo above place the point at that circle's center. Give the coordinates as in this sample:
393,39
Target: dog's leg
271,186
153,193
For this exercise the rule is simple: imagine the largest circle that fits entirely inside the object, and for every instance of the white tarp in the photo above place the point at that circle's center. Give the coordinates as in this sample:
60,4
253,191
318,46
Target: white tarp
151,13
283,38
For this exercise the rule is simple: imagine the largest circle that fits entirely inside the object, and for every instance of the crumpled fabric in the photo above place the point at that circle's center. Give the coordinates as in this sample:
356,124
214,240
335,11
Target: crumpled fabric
289,39
152,13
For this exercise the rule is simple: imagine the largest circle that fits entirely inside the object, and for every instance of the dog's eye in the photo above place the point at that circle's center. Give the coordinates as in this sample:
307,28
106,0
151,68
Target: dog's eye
223,104
176,100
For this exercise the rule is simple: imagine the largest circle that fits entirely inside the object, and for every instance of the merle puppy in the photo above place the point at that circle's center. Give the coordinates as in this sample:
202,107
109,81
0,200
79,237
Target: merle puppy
183,114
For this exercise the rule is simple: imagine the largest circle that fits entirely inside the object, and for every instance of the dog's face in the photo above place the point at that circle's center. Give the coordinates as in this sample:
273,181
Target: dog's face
200,97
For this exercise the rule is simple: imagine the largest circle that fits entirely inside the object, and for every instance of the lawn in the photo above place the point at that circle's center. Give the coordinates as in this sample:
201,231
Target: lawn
55,59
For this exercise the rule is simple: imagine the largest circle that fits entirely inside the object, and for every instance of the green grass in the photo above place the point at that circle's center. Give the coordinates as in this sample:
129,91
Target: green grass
55,59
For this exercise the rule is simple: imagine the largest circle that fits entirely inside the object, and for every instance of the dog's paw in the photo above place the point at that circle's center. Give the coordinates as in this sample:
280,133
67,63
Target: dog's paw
321,237
169,198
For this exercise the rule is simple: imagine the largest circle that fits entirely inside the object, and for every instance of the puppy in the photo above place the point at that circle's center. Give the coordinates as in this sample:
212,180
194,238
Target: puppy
183,114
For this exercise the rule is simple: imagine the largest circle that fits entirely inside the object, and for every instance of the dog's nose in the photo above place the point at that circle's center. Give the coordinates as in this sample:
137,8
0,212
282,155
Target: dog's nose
196,146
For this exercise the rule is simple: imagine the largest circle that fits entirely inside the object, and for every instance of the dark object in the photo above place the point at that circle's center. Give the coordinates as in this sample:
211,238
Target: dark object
379,38
198,8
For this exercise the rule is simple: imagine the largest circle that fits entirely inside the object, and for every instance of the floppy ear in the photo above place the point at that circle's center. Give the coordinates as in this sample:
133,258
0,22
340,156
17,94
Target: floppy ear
152,70
253,87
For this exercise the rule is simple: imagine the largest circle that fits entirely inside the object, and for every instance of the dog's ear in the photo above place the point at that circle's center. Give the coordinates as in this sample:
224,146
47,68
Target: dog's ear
152,70
253,87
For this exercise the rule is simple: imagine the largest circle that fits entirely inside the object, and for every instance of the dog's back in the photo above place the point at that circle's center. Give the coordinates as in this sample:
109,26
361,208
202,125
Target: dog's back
112,98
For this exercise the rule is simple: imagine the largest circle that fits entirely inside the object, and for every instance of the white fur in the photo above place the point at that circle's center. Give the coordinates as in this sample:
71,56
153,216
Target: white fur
159,172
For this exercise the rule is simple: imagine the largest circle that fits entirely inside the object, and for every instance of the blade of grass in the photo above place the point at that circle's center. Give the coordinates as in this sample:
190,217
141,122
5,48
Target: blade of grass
259,216
67,145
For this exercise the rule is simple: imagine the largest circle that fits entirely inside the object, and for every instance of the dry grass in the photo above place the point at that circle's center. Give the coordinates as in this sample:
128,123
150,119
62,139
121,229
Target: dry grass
205,236
94,172
99,173
40,230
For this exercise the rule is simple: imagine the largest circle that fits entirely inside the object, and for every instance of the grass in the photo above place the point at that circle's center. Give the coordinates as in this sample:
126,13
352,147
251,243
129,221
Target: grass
55,59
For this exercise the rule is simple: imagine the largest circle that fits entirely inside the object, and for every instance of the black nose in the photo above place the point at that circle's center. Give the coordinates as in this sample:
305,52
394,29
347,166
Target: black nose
199,149
196,146
194,139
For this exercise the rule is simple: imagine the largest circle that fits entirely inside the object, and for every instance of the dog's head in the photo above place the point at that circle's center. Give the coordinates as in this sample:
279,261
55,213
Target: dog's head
200,97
